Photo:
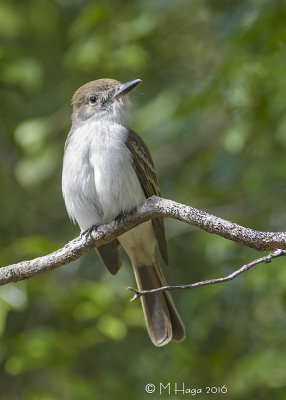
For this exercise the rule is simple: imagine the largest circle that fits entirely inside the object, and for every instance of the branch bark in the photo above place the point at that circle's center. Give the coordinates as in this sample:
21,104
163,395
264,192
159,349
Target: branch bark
152,208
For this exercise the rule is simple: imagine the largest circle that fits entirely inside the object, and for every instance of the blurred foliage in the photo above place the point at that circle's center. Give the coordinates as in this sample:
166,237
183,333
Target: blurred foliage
212,110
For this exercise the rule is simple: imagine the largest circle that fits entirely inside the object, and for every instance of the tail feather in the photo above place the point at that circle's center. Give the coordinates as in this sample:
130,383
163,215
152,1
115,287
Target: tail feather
162,319
109,255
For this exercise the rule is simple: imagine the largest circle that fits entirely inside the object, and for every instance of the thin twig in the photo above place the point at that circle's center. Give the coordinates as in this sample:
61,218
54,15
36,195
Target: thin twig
266,259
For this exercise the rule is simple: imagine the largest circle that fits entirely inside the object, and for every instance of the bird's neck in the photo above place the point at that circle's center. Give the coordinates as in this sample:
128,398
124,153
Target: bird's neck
99,134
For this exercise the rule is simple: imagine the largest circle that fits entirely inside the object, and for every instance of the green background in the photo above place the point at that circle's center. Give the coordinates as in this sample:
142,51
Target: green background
211,108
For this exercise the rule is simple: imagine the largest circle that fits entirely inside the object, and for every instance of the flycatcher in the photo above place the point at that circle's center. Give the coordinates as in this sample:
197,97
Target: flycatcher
108,171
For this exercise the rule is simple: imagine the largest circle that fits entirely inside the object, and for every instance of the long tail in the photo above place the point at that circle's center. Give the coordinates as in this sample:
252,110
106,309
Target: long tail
162,319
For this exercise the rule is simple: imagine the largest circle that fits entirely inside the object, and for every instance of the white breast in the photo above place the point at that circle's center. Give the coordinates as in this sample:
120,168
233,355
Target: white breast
98,180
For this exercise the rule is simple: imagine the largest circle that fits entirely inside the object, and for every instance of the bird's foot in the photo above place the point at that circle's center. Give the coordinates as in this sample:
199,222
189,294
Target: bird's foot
119,216
85,234
124,214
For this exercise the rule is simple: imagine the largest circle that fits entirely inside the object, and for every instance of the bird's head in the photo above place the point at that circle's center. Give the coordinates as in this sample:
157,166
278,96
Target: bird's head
102,99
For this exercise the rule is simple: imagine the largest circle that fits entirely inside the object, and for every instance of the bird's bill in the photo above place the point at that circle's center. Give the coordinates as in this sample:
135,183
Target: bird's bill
126,87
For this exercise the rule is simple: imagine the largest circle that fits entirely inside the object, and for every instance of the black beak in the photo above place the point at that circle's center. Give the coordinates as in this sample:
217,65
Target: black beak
126,87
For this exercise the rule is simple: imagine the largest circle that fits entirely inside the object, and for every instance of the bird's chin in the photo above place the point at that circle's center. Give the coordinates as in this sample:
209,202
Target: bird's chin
120,110
117,112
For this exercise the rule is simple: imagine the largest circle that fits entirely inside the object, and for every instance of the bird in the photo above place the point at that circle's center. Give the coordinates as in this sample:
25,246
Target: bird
107,172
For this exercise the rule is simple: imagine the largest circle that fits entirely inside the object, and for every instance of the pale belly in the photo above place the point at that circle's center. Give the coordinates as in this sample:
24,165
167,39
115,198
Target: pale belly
99,182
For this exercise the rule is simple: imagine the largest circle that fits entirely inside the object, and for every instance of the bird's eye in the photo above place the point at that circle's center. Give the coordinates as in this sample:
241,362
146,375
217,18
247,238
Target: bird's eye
92,99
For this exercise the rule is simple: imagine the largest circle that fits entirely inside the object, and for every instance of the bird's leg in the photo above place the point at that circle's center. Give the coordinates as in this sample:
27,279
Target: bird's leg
88,231
124,213
119,216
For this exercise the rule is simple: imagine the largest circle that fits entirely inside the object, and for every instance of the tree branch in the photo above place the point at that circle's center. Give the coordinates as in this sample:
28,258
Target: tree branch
152,208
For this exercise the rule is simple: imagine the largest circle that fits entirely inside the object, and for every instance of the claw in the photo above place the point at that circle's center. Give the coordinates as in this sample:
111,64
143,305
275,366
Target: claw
88,232
119,216
124,214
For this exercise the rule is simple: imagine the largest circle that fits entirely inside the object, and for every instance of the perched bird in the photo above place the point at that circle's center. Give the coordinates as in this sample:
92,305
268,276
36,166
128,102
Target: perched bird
108,171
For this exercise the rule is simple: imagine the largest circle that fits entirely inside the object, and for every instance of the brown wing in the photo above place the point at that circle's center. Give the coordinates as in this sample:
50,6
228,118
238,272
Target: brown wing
143,165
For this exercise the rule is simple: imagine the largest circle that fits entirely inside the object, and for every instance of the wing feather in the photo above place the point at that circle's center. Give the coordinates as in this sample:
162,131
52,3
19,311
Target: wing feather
144,167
